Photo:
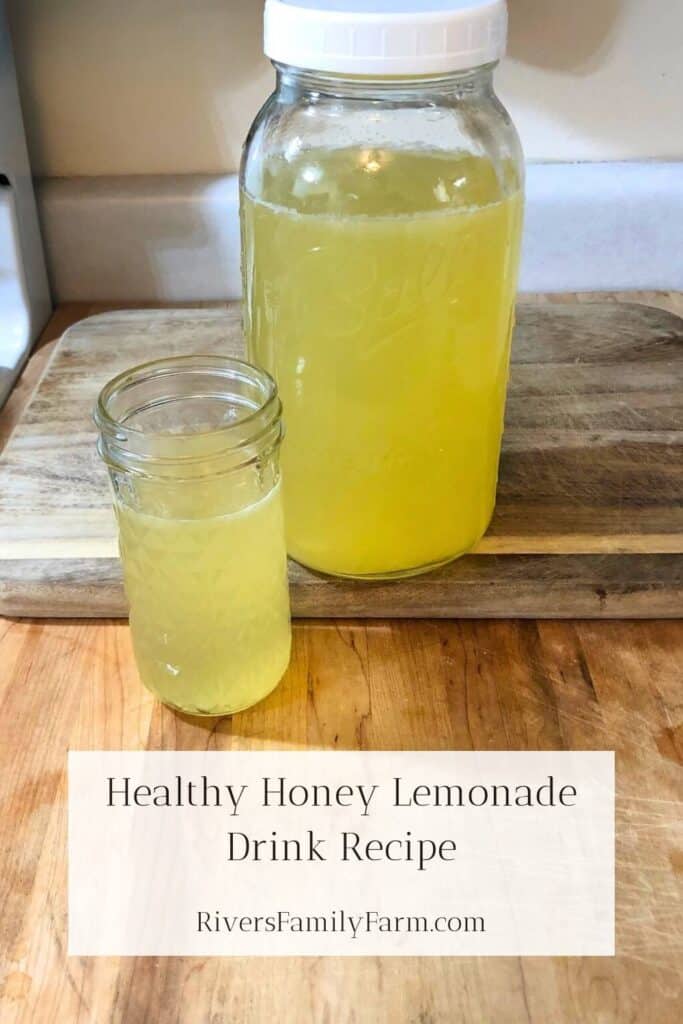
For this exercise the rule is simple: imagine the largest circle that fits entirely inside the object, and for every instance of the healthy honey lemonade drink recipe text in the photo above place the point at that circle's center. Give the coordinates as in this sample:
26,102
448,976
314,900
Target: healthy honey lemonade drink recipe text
379,292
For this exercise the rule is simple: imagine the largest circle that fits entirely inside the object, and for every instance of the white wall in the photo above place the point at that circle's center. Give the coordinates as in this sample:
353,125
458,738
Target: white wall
170,86
596,79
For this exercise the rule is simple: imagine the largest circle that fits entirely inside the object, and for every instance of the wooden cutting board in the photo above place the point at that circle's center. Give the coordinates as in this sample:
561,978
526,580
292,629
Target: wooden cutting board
589,521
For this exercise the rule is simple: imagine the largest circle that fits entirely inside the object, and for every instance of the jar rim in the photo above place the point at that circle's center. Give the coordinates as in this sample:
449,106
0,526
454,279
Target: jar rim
169,365
126,446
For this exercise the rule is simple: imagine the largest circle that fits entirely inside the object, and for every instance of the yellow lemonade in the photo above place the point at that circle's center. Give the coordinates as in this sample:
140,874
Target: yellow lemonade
209,604
379,292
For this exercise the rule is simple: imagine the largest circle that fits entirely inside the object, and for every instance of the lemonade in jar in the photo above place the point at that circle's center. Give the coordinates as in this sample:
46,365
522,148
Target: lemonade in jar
381,204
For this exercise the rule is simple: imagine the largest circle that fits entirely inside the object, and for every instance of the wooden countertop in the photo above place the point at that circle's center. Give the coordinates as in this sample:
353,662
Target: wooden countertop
372,685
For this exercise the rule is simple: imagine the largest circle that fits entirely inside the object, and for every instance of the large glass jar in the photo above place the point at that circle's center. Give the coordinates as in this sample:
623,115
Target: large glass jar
381,204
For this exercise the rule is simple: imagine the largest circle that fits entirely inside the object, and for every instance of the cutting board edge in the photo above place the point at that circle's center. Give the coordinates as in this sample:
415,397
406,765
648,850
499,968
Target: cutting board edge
590,589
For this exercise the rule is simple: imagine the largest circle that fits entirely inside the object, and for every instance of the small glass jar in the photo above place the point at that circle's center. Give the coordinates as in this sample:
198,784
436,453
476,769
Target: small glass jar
192,447
381,205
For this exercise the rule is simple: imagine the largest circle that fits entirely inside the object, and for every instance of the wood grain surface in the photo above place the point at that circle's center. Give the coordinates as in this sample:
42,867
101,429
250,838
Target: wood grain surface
591,471
413,685
375,686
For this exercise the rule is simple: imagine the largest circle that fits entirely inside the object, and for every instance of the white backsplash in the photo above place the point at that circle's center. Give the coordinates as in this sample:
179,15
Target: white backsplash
175,238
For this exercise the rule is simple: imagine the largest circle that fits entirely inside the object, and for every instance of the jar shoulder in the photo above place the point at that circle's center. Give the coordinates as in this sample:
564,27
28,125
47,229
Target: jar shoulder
312,132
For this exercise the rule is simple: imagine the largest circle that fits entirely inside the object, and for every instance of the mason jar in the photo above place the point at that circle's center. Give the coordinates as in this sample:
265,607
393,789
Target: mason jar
192,447
381,206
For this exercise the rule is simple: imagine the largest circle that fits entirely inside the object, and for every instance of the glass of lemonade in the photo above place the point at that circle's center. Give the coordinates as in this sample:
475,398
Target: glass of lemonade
192,447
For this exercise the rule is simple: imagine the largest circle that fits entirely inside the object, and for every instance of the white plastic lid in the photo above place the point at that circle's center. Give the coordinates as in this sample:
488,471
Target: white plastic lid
385,37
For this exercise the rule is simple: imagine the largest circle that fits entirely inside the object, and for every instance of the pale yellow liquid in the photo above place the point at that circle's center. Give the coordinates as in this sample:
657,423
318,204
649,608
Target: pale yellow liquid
209,604
380,293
